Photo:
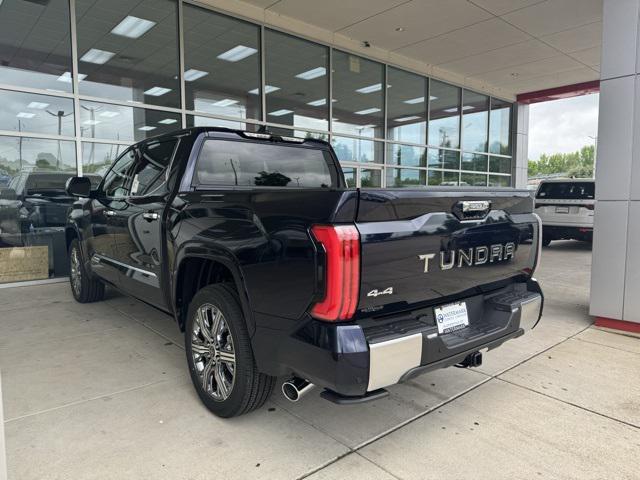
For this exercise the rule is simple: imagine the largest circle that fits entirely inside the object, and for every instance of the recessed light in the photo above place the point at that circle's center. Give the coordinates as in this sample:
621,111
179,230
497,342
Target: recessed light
109,114
468,107
413,101
157,91
91,122
400,29
237,53
193,74
367,111
318,103
132,27
97,56
313,73
226,102
25,115
168,121
38,105
279,113
267,89
66,77
369,125
451,110
406,119
370,89
146,128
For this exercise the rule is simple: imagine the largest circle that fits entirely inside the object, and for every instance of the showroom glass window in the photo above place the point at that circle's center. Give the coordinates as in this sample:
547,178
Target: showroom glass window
444,115
32,113
500,123
222,64
35,44
406,106
350,149
358,96
296,72
475,122
128,50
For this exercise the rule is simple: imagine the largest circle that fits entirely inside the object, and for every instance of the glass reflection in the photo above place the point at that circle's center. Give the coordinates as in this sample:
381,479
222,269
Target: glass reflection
98,157
370,178
35,44
499,180
406,106
406,155
357,95
441,158
444,115
299,69
474,161
405,177
475,121
117,122
473,180
499,127
27,112
443,178
350,176
357,150
222,64
500,165
128,50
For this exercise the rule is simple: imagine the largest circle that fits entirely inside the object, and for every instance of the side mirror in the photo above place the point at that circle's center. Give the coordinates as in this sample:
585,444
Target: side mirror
78,187
8,194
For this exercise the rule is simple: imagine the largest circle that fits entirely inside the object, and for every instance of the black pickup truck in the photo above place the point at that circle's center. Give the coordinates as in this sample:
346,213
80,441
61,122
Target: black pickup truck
273,267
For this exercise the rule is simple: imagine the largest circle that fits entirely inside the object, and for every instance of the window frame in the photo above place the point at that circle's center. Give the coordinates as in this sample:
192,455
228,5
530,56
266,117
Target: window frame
167,169
100,189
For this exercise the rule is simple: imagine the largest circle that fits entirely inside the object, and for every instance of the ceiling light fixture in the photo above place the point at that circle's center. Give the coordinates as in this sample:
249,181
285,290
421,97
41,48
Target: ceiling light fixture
108,114
267,89
193,74
146,128
318,103
313,73
66,77
237,53
157,91
406,119
91,122
132,27
97,56
370,89
168,121
25,115
279,113
367,111
413,101
227,102
38,105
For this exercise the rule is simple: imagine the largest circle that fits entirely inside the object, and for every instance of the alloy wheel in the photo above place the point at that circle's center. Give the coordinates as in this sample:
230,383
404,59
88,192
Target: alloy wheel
76,272
213,352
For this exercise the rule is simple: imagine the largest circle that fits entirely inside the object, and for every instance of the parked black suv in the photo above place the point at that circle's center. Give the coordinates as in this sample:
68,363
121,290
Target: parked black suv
272,267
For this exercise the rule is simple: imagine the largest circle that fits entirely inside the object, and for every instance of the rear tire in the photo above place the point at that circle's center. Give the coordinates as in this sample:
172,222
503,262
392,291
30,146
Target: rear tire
221,362
84,287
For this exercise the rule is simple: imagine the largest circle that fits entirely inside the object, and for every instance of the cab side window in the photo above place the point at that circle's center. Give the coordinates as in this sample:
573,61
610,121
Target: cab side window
149,176
118,180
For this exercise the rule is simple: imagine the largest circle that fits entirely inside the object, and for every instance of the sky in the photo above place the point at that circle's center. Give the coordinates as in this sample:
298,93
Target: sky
562,126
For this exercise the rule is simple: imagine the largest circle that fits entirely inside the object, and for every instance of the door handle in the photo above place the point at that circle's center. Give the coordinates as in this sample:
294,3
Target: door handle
109,213
150,216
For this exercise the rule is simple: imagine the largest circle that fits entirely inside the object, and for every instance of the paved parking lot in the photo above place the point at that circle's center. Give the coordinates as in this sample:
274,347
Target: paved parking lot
102,391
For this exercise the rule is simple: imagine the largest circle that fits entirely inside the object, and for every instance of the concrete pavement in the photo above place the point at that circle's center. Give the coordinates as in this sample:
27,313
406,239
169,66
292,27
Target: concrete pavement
102,391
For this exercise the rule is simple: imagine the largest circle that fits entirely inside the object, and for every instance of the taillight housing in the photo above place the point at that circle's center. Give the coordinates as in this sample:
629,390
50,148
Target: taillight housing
341,245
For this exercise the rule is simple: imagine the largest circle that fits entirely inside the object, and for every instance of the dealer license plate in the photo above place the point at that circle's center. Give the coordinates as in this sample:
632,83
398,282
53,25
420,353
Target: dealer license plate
450,318
562,209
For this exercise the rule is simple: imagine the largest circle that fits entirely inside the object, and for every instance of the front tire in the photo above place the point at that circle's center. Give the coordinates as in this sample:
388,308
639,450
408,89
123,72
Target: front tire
219,354
84,287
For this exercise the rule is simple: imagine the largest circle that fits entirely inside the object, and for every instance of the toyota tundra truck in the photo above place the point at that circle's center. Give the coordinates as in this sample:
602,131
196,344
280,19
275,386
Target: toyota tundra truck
272,267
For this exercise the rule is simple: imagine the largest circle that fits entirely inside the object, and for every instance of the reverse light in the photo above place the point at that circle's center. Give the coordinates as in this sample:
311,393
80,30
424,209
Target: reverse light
341,244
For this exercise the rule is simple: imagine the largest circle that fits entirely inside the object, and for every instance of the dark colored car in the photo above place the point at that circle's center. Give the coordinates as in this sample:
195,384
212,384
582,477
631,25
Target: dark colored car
272,267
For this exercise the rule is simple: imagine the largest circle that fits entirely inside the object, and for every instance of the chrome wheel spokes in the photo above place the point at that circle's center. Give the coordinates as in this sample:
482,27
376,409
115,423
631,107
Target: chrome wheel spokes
213,352
76,273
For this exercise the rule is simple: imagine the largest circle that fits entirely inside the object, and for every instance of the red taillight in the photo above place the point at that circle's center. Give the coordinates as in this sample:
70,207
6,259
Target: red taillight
341,244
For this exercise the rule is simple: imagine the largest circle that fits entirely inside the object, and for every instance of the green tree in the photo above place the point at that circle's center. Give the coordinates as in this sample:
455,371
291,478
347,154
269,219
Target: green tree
576,164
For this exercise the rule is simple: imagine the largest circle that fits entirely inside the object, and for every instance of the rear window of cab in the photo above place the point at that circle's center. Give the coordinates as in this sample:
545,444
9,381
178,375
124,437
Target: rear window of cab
261,164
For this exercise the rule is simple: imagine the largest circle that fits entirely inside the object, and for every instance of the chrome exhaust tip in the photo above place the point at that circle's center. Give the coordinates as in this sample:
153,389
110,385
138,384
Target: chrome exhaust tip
294,389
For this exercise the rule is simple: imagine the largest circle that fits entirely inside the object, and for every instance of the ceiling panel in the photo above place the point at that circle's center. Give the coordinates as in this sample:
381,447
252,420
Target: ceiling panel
332,15
262,3
557,79
500,7
420,19
555,15
575,39
589,56
474,39
560,63
517,54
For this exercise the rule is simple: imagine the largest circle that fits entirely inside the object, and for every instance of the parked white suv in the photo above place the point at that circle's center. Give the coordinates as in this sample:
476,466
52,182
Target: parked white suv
566,209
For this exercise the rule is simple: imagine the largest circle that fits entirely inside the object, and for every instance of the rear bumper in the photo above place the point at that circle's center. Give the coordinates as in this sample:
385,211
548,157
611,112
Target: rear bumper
567,231
356,359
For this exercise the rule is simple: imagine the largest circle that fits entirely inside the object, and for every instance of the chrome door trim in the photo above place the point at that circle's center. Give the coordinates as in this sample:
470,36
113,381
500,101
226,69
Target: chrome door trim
96,259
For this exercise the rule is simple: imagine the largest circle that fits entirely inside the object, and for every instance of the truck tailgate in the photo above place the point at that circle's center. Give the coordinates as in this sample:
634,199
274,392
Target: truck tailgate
418,246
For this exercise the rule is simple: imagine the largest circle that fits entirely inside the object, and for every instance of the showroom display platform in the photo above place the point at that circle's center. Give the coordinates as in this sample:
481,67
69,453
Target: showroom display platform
102,391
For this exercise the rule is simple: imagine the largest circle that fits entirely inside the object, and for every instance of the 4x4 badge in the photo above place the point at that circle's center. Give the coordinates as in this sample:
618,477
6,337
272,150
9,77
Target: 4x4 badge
376,292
